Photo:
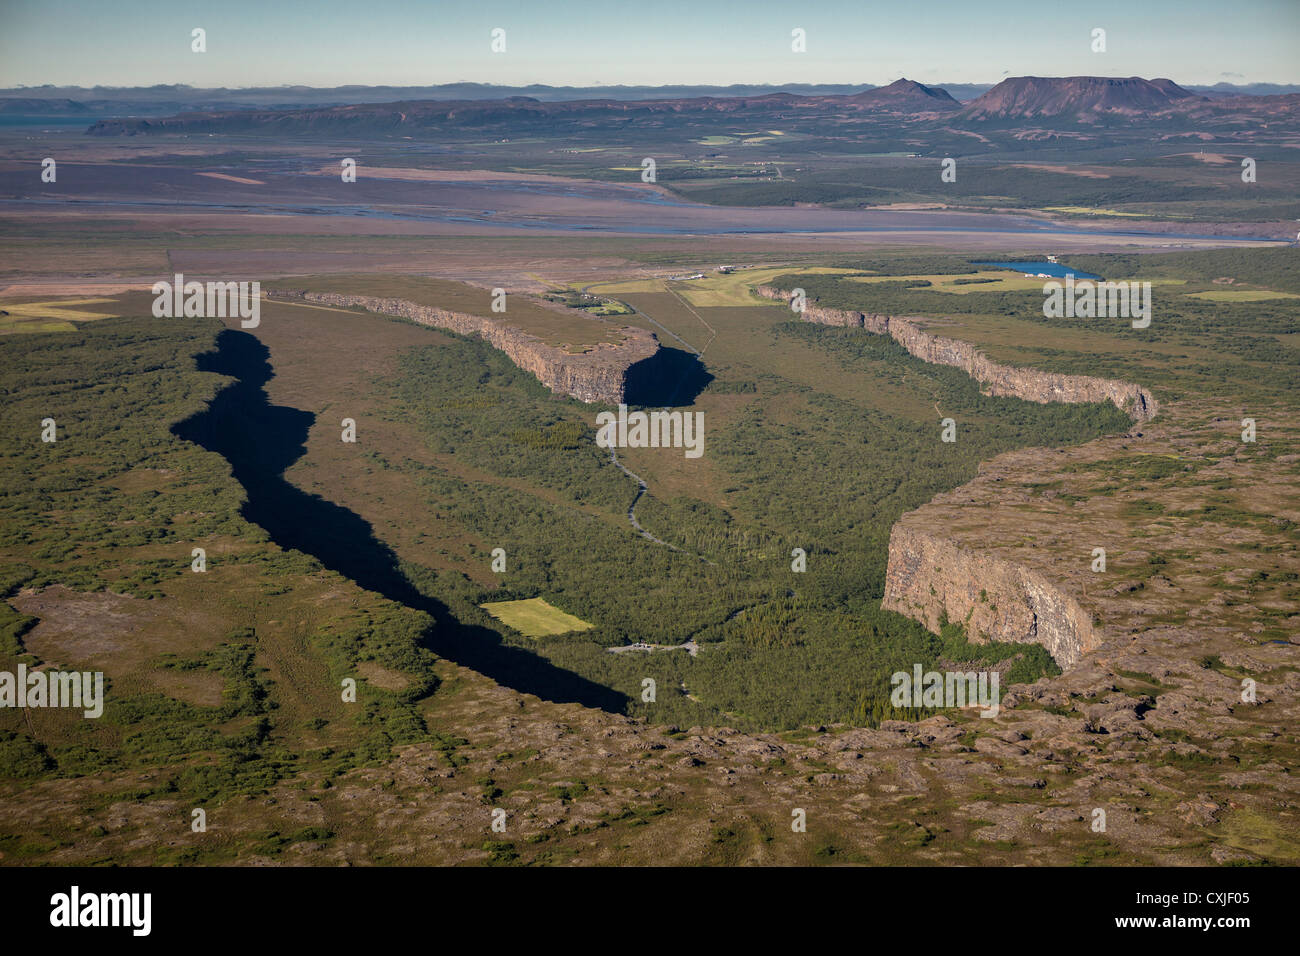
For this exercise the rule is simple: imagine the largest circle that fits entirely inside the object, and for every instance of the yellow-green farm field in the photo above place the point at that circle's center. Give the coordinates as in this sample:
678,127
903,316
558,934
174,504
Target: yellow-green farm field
535,618
55,315
716,289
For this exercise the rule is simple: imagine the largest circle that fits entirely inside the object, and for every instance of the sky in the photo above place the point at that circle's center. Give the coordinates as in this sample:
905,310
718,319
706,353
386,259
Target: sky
640,42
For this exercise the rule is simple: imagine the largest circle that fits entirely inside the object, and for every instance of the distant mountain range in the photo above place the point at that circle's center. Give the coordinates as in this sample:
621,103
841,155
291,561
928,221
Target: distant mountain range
1015,101
164,100
30,106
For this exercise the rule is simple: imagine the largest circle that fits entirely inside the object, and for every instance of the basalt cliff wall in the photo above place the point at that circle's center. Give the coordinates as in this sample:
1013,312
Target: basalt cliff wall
1033,385
599,374
930,576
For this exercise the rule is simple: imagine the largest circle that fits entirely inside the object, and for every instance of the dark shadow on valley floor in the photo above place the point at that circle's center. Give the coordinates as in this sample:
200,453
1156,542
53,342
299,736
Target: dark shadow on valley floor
669,377
261,441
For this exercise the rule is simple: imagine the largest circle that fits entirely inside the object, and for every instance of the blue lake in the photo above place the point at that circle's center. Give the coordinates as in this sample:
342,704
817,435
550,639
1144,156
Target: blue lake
1054,269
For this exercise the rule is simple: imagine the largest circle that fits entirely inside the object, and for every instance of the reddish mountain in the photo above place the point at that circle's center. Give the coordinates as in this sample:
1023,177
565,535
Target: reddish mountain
906,96
1025,97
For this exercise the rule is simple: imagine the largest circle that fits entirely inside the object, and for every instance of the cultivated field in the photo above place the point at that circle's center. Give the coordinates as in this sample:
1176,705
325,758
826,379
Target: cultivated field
533,617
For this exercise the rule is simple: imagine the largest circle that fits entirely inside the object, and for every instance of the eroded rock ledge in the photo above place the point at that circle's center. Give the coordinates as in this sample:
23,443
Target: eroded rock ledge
1032,385
599,374
929,576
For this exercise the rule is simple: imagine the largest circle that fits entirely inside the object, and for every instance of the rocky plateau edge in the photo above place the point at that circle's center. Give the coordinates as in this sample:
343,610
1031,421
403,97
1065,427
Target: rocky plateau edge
1033,385
599,374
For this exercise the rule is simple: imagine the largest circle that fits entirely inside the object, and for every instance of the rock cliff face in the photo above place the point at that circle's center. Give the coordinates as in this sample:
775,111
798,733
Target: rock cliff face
599,374
1033,385
929,576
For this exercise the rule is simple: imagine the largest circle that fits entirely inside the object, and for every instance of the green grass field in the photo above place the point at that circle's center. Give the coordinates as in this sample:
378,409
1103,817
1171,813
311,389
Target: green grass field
1088,211
535,618
990,280
1241,295
716,289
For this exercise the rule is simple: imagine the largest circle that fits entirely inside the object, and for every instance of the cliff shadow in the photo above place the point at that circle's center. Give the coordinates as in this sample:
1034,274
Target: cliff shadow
261,440
669,377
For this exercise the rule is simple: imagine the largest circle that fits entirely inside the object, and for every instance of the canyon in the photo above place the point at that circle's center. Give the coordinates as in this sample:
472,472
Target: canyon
1148,723
931,575
600,373
1033,385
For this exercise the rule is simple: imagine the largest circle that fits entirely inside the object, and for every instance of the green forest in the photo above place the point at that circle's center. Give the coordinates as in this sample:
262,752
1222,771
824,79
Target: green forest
778,648
115,505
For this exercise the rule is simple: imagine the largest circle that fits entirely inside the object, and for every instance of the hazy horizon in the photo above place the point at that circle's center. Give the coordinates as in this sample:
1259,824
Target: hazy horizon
941,84
405,43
